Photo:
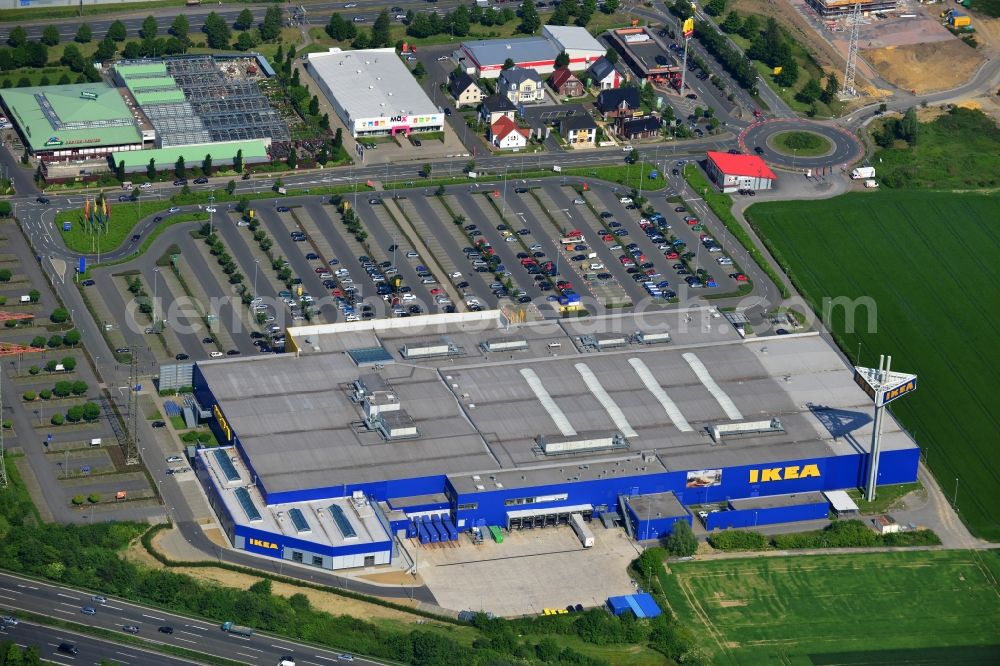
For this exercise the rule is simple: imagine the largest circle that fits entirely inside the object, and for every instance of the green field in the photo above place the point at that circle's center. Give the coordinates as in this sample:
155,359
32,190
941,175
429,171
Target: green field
803,144
843,609
930,264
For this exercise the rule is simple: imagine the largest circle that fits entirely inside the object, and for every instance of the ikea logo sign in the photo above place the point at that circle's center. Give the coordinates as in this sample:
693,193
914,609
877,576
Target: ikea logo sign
784,473
899,391
260,543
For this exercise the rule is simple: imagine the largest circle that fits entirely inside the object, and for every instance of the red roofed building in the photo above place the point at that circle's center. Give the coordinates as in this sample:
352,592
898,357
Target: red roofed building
505,133
739,172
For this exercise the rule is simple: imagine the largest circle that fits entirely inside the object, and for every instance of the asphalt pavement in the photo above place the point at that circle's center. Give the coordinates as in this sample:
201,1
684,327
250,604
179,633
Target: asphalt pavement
66,604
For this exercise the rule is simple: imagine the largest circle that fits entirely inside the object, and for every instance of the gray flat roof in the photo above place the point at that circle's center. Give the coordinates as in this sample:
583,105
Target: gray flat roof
524,49
657,505
774,501
371,82
572,37
482,413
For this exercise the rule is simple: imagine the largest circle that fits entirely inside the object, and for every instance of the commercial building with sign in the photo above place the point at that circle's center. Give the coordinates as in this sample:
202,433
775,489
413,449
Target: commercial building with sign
645,54
485,57
86,120
474,421
374,93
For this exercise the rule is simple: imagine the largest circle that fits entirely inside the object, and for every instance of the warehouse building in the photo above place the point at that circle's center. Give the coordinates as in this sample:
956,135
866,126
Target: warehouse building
374,93
834,8
739,172
72,122
397,420
485,57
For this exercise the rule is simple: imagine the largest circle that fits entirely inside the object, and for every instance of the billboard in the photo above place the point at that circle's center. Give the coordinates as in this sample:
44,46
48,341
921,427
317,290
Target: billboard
704,478
688,28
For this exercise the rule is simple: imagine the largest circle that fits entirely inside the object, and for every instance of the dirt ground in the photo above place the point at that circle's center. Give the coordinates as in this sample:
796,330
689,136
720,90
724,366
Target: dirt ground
925,67
324,601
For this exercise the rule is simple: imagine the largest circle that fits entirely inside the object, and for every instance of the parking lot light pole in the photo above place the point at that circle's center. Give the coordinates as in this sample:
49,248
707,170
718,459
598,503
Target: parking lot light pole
156,282
211,200
256,263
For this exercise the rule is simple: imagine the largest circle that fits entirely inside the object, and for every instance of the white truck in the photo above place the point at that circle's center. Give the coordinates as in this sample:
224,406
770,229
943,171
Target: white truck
863,173
582,531
871,183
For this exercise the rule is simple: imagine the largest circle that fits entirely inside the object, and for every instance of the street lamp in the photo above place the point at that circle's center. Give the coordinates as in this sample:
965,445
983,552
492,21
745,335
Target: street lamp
156,274
211,200
256,263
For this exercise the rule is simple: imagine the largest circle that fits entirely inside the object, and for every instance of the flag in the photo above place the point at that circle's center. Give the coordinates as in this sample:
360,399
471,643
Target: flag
86,210
107,209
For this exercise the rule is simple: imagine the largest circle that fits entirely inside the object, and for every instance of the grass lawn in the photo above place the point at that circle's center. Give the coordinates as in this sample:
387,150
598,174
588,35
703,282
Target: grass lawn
810,610
936,320
35,76
802,144
124,217
959,149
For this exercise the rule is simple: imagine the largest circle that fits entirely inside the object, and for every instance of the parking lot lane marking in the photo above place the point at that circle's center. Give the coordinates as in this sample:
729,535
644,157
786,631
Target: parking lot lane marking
153,617
243,654
66,596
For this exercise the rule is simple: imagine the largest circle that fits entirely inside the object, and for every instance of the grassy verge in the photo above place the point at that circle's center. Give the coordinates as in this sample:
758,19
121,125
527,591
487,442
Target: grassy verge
885,497
916,607
51,74
721,205
883,305
802,144
29,14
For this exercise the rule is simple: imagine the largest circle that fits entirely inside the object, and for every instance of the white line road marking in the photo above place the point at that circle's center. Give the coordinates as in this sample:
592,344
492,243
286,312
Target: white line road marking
153,617
66,596
243,654
186,640
188,633
60,610
114,608
254,649
319,656
66,604
128,619
4,596
283,647
195,626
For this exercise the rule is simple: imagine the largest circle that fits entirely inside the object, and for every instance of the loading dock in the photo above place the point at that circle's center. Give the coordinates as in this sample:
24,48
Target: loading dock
547,517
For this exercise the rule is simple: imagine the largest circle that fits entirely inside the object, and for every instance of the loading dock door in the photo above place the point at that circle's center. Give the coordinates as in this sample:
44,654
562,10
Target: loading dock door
546,517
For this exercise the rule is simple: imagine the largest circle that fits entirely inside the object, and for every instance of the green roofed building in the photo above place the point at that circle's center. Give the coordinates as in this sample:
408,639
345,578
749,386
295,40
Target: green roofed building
223,154
88,120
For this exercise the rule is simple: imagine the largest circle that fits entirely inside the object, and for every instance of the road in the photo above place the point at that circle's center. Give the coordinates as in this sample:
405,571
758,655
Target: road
63,603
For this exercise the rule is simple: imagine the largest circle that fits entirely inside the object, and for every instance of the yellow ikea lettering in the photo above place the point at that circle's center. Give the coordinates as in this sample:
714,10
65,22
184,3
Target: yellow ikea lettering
783,473
222,422
263,544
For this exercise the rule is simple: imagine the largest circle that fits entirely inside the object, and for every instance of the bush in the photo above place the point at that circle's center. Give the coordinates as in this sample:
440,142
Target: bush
189,437
57,420
69,363
63,389
79,387
5,275
74,414
204,437
8,424
915,538
34,370
59,315
94,498
71,339
91,411
29,396
38,341
45,394
50,365
55,341
738,540
79,500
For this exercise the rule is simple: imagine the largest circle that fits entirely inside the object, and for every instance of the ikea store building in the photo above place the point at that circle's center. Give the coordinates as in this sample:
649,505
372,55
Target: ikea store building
367,433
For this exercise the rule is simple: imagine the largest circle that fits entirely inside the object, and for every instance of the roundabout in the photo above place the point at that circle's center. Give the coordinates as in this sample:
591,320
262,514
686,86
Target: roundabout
800,144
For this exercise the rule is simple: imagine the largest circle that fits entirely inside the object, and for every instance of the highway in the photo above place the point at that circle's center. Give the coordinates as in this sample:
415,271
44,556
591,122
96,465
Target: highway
63,603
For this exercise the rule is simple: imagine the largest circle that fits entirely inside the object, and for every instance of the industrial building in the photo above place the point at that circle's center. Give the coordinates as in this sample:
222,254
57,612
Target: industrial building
835,8
739,172
485,57
374,93
646,55
366,433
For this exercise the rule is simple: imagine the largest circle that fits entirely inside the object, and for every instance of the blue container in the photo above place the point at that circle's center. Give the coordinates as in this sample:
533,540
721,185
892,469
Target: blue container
425,536
450,526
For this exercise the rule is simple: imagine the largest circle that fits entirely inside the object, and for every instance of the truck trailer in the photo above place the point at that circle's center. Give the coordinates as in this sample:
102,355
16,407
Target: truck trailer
582,531
236,629
863,172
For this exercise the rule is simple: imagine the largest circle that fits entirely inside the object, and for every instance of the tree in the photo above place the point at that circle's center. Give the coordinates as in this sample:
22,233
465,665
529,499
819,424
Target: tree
732,23
94,498
530,21
338,139
79,387
715,7
83,34
91,411
179,169
425,170
810,92
55,340
206,165
73,58
180,28
217,31
750,27
419,71
18,37
38,341
132,50
59,316
34,295
5,275
117,32
230,187
238,161
340,29
270,27
106,50
244,21
460,23
57,419
380,31
508,64
314,106
244,42
50,35
789,74
149,28
151,169
908,127
610,6
612,56
69,362
830,91
633,156
562,60
293,159
681,9
682,542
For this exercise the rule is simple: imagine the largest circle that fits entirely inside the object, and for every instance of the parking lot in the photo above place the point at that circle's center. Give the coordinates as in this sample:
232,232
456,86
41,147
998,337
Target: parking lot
530,571
537,247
